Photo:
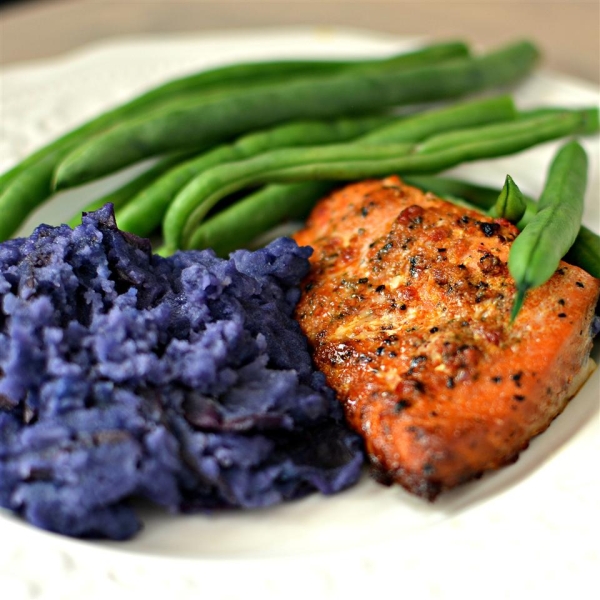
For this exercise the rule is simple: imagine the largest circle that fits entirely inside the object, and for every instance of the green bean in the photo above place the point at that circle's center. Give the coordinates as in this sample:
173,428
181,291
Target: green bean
229,77
410,129
326,97
532,126
123,195
29,183
426,124
356,160
24,194
510,204
145,212
585,251
537,251
241,223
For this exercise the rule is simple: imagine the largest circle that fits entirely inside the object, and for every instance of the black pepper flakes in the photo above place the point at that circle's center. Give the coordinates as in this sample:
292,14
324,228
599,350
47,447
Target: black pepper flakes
428,469
434,330
402,405
519,398
579,284
417,360
562,315
380,288
489,229
363,280
416,221
413,260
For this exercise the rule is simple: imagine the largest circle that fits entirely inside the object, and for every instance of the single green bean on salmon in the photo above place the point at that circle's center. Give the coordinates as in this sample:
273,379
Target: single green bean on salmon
411,129
510,204
537,251
341,94
29,183
144,213
355,160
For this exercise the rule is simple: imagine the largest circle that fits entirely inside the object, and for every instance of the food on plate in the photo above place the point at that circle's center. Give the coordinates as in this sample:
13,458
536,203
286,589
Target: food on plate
184,381
407,309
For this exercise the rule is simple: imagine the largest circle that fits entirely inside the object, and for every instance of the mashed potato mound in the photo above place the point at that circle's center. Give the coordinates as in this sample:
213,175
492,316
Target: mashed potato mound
181,380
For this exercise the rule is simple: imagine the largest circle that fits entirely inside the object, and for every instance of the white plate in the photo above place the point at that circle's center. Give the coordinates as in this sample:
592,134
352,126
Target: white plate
529,529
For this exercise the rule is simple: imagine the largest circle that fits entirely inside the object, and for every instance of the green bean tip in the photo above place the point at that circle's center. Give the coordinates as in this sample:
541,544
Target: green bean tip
518,303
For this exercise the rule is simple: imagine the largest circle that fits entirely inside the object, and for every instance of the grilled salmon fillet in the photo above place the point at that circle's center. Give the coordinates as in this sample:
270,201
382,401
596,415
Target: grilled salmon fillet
407,311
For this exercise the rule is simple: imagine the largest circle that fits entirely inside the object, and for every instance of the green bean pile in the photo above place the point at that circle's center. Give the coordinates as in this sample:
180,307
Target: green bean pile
242,148
29,183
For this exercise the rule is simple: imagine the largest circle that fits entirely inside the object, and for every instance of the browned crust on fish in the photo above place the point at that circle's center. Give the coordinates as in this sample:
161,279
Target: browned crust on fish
407,311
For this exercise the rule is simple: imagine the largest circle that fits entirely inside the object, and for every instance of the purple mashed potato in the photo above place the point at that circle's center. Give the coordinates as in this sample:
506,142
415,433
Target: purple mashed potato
184,381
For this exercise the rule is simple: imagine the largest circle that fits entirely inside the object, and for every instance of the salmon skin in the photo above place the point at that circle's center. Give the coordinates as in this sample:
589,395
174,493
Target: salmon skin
407,311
